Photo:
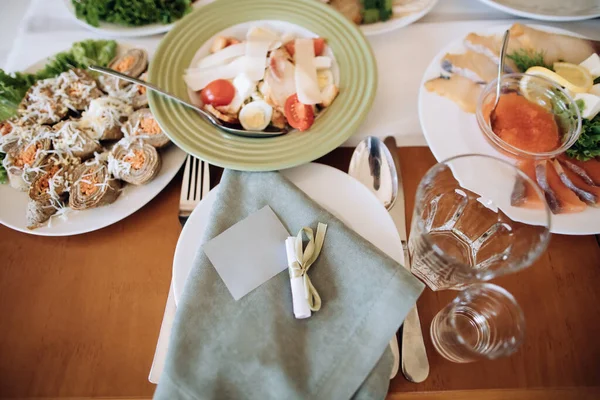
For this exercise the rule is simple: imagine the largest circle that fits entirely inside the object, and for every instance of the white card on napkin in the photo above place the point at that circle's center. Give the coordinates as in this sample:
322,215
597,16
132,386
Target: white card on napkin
250,252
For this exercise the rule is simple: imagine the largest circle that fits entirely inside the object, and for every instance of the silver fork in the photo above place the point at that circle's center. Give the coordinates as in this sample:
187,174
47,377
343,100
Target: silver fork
195,185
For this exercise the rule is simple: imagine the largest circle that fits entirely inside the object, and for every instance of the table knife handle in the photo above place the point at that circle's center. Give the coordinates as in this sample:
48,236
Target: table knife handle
415,365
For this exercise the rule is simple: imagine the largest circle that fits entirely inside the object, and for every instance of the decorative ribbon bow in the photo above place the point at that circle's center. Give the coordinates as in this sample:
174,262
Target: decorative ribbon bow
308,257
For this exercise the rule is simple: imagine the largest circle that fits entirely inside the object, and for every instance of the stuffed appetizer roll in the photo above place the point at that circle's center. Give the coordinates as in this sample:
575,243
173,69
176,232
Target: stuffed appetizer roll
76,140
133,63
93,186
134,162
47,195
105,117
24,159
142,124
43,103
78,89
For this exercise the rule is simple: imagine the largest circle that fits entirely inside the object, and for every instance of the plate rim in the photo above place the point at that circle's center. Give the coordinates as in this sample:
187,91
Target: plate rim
120,31
540,17
169,177
434,64
380,28
160,106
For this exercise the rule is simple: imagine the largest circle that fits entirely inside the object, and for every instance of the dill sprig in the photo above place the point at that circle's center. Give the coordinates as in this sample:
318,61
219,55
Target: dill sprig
525,59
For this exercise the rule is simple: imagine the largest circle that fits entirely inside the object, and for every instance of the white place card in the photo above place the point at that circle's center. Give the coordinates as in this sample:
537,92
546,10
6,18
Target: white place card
250,252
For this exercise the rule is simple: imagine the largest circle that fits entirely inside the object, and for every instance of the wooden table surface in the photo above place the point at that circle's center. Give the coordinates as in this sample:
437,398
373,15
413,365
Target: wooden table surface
80,316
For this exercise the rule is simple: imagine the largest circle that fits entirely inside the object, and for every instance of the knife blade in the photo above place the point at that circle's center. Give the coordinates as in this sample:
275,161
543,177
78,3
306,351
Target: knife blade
415,365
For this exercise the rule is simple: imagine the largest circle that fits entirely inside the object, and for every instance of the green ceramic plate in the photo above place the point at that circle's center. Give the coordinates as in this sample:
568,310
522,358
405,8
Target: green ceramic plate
357,82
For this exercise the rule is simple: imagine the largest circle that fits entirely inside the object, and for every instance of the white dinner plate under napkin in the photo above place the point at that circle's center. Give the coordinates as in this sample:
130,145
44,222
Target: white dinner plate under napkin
334,190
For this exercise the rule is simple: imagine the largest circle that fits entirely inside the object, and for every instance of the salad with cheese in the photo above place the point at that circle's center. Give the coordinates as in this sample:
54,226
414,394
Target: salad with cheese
75,139
264,79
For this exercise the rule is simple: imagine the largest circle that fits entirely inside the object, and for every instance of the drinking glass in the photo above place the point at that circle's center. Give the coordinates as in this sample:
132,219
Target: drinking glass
483,322
476,217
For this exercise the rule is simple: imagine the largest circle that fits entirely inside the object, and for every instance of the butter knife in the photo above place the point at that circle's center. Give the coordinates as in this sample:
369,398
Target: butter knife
415,365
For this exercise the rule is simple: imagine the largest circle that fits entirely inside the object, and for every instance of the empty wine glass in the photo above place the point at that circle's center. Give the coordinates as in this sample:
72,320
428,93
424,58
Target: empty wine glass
476,217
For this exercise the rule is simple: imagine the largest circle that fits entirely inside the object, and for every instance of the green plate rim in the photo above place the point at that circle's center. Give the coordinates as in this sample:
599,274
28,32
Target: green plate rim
358,84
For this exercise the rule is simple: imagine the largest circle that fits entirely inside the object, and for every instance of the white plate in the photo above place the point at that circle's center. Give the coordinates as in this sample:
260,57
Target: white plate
337,192
396,22
549,10
449,131
115,31
13,203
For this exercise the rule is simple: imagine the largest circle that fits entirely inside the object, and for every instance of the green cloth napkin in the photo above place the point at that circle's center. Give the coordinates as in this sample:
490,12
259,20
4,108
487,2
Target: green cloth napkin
254,348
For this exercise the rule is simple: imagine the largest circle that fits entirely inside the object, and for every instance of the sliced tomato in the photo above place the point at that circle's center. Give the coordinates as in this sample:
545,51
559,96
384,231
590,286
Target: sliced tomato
298,115
218,93
319,44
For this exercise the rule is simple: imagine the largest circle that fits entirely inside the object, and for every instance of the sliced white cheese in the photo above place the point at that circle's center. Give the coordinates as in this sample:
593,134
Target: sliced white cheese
322,62
595,89
305,74
244,87
197,79
592,104
223,56
592,64
262,33
257,47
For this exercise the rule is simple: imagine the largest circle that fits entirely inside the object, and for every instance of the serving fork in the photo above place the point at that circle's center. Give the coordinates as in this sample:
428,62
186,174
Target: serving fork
195,186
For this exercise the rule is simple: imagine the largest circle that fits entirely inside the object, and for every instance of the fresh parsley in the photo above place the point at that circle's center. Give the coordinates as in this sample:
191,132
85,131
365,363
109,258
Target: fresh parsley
131,12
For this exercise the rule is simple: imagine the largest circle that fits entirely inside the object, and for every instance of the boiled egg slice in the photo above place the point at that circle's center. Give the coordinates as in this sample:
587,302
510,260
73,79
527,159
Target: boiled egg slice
324,78
256,115
591,105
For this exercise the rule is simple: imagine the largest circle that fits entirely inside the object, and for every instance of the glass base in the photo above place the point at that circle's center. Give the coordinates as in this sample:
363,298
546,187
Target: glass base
436,332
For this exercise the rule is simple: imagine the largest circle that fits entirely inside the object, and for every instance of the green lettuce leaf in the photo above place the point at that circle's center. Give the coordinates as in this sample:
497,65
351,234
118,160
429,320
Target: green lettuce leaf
588,144
14,86
3,174
12,90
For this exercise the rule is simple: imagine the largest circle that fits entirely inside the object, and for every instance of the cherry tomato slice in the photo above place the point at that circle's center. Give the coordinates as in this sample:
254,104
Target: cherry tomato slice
298,115
319,44
218,93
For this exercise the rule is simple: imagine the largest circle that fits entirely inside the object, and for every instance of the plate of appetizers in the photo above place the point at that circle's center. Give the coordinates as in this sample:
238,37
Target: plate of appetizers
549,10
381,16
79,151
110,19
258,65
546,121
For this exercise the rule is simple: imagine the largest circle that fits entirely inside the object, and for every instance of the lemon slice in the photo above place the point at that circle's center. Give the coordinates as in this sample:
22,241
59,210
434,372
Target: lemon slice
534,93
570,76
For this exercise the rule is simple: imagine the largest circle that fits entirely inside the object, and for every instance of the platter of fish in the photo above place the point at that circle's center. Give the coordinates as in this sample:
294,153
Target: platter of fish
82,151
458,82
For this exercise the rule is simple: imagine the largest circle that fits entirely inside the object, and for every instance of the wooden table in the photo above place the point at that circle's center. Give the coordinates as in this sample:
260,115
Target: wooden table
76,323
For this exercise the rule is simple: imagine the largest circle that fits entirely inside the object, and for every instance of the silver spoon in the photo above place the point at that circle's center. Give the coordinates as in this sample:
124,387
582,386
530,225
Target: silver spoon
500,73
207,116
375,166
